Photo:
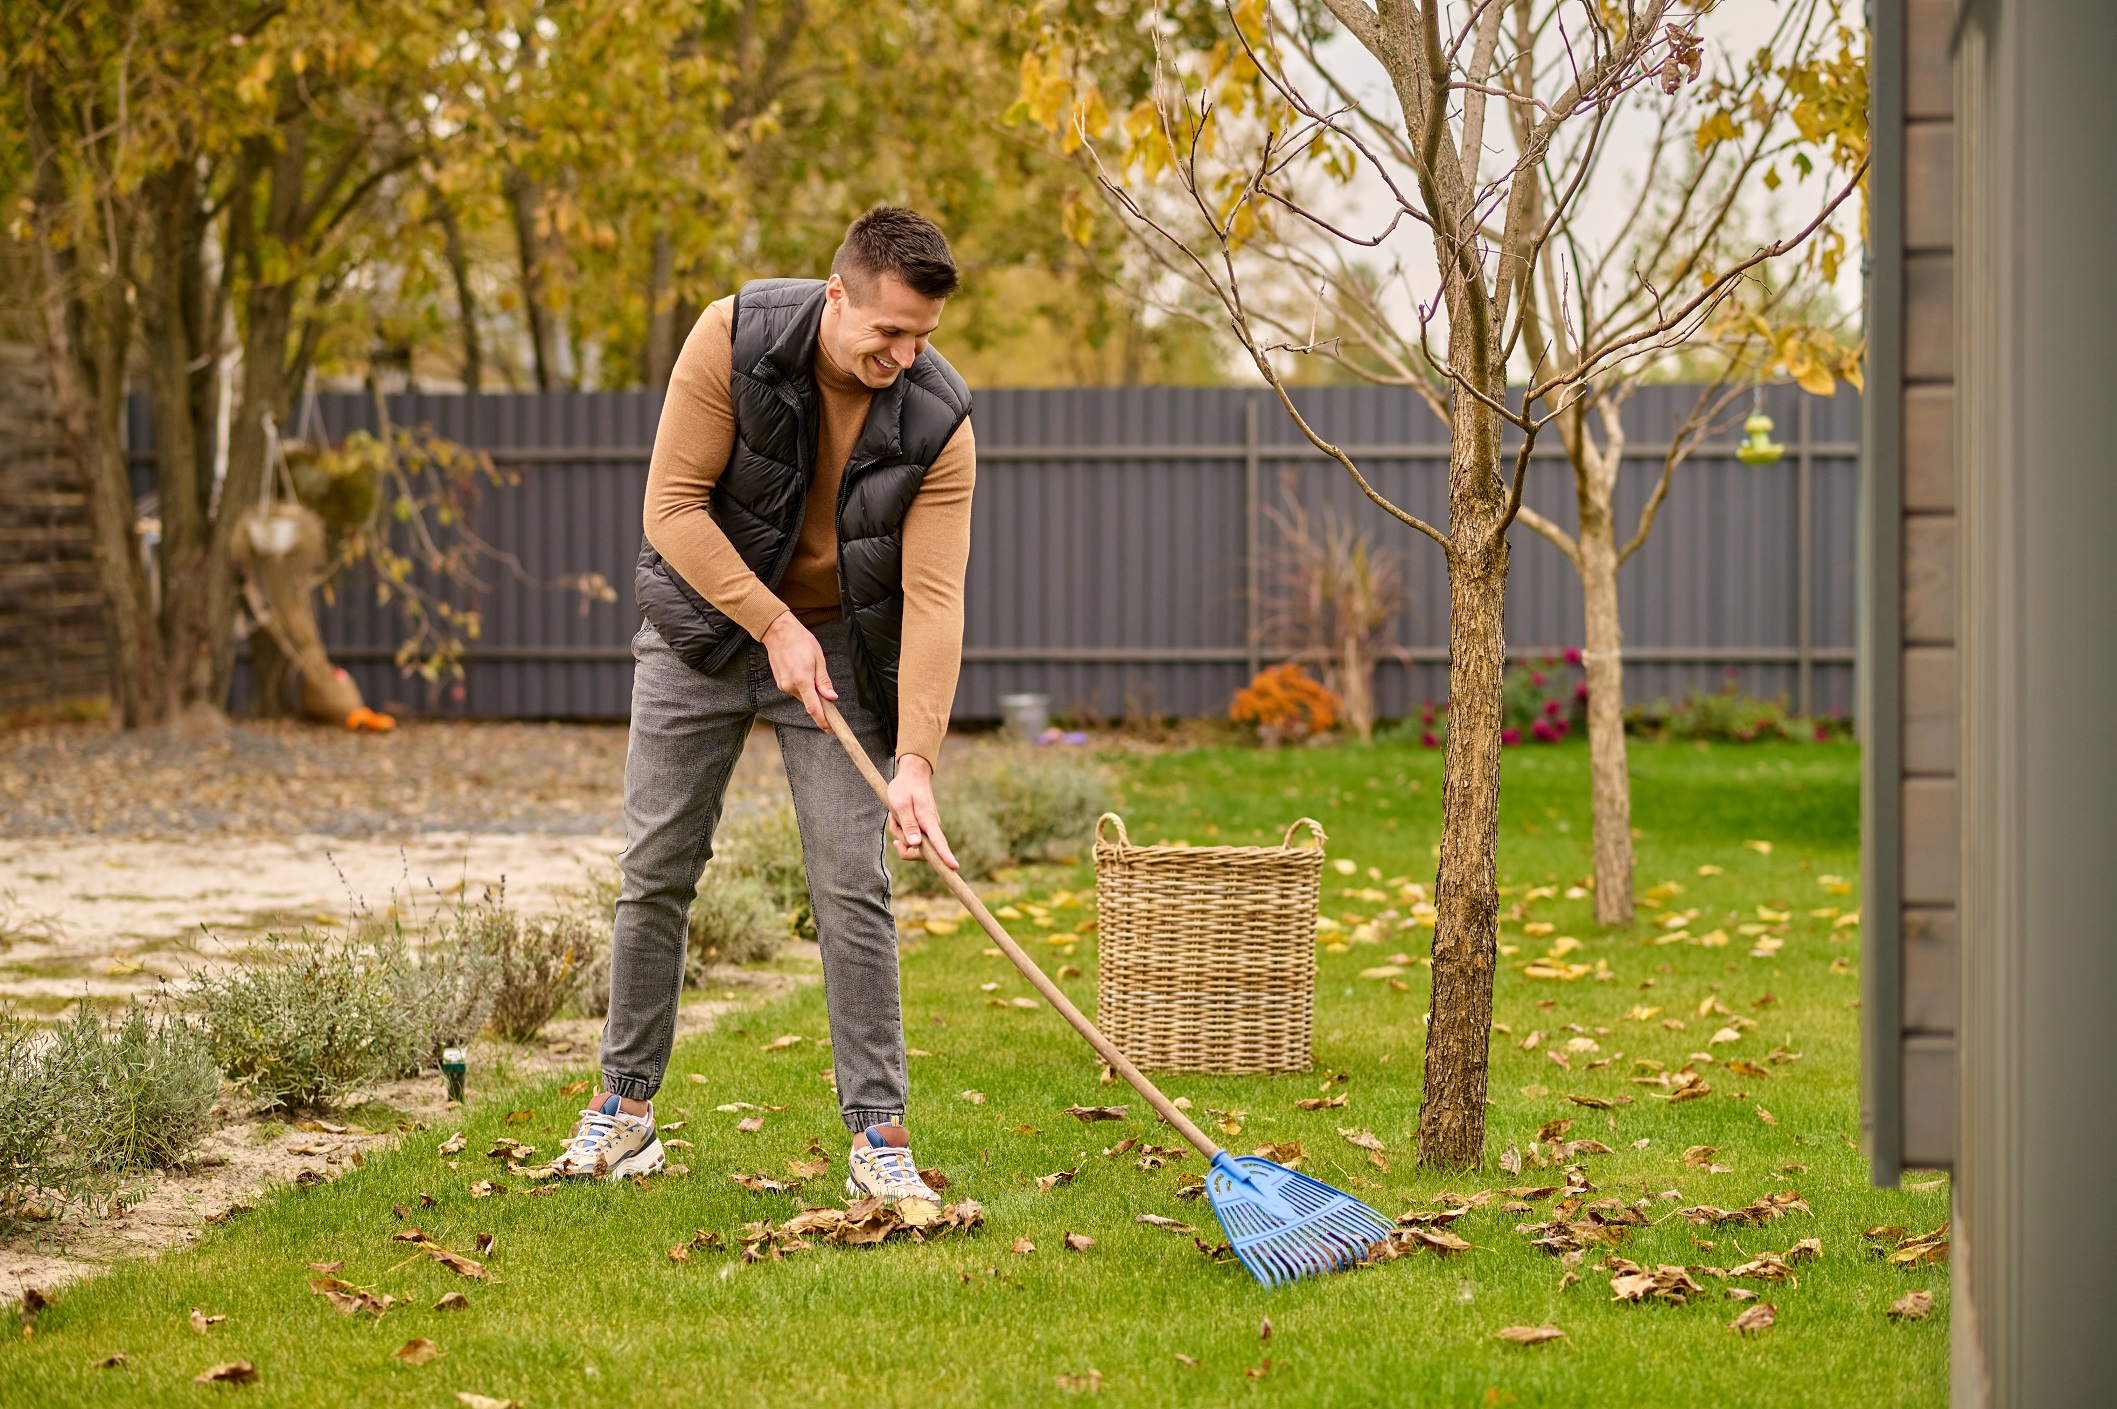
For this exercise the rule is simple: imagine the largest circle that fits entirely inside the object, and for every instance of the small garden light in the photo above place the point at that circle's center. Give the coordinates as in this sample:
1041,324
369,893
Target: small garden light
455,1061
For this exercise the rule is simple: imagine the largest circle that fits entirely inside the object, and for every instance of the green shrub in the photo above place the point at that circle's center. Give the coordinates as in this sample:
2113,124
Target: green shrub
29,1183
448,988
308,1018
537,963
135,1094
595,901
1726,715
735,919
1042,804
766,846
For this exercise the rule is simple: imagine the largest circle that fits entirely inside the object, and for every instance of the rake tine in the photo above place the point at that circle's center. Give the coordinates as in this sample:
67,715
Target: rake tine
1281,1224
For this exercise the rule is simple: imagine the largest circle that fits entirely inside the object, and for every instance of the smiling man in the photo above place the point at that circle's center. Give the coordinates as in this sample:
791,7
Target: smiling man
807,526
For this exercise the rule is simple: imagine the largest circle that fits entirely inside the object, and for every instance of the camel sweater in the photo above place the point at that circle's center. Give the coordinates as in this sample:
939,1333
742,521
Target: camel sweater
691,448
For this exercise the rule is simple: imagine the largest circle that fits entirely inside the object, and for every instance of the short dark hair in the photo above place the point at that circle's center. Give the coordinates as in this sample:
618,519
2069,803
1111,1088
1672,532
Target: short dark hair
892,240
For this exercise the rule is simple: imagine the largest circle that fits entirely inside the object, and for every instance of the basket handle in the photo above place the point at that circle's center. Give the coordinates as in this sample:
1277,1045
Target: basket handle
1286,843
1123,840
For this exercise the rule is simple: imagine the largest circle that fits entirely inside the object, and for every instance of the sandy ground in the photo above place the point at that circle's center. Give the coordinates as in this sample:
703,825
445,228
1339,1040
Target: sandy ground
125,860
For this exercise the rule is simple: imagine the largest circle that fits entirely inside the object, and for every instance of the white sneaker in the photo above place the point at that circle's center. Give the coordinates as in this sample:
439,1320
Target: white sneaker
878,1169
610,1145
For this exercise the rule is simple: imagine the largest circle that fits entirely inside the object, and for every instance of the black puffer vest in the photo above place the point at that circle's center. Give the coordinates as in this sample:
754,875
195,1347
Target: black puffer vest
759,498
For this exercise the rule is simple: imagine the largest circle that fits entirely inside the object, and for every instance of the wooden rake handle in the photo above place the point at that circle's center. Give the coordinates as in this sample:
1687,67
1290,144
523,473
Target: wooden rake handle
1053,995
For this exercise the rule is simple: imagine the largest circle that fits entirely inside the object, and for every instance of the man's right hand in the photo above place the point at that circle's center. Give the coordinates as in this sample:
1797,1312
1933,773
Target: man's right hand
798,667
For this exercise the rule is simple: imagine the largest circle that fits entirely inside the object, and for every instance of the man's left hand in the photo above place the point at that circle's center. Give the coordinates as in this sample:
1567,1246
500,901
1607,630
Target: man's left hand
913,817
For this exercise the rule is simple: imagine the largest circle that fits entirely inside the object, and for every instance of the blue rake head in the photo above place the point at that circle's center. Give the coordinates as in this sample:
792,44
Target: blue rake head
1285,1225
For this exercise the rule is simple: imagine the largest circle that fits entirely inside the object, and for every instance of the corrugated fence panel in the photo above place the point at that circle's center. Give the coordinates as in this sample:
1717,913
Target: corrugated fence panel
1110,559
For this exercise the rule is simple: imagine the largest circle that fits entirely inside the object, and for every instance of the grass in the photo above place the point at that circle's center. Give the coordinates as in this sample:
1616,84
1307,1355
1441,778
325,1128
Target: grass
587,1309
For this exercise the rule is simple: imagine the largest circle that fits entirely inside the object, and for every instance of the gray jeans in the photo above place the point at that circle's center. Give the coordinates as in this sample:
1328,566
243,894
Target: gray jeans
688,731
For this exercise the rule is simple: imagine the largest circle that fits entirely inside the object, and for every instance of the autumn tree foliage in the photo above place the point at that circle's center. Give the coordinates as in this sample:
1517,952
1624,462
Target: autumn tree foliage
219,201
1478,126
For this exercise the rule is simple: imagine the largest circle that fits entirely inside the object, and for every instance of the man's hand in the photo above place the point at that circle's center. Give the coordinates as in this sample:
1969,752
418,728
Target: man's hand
912,815
798,667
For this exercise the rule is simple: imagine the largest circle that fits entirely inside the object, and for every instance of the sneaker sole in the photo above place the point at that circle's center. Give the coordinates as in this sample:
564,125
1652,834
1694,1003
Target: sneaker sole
649,1159
854,1191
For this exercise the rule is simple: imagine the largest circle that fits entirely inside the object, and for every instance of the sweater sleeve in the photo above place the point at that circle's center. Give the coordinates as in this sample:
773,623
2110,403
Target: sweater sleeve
936,556
691,448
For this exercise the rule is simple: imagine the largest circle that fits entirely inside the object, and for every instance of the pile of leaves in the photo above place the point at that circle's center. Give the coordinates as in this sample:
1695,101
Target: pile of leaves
859,1224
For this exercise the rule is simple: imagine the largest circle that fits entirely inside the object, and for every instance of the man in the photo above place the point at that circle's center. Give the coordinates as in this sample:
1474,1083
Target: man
807,526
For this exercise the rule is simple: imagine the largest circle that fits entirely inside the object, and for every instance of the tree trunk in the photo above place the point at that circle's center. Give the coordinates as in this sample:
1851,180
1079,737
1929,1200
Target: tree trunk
661,311
1356,675
526,201
181,335
466,296
1609,786
1466,892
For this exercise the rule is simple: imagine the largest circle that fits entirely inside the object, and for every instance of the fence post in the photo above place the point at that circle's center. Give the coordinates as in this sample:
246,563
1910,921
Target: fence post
1805,529
1251,535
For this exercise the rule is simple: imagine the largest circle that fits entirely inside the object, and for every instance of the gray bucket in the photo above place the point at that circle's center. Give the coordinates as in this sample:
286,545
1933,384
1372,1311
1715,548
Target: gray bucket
1026,716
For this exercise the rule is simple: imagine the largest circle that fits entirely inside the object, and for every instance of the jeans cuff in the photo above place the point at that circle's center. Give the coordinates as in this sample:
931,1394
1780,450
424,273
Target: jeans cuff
630,1088
859,1120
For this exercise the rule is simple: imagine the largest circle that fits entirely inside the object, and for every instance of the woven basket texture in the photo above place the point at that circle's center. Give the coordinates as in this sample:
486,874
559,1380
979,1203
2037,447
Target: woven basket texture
1206,955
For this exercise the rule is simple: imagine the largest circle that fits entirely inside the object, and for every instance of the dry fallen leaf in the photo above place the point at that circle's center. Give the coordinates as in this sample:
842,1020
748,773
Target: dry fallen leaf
760,1183
1190,1362
780,1044
520,1117
417,1351
235,1372
808,1168
1911,1306
116,1361
1319,1103
1755,1318
485,1401
452,1145
1528,1335
483,1242
1090,1383
751,1126
1086,1114
327,1267
1022,1246
976,1098
576,1088
1155,1220
935,1180
456,1262
1079,1242
452,1301
200,1321
1046,1183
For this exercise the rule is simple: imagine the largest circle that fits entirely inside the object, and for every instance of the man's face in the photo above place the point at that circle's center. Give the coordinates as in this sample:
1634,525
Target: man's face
879,337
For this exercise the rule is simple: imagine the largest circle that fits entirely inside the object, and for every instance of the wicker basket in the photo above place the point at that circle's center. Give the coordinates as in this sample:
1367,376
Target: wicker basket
1207,954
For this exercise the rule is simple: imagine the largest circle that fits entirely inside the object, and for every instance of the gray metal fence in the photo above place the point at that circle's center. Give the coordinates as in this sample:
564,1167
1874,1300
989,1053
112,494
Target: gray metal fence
1118,534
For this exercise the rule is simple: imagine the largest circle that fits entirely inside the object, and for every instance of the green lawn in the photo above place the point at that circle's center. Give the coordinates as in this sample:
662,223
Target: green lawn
586,1307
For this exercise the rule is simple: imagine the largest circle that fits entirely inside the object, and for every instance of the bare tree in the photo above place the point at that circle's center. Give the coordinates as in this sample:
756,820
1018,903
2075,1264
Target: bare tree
1216,181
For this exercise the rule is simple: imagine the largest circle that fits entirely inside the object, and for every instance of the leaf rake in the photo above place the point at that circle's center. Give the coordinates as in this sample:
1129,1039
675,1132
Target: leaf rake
1282,1224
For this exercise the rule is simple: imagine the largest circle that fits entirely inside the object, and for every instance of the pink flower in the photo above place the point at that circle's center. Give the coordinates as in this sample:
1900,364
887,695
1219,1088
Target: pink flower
1428,740
1536,677
1510,737
1822,734
1580,690
1550,706
1572,655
